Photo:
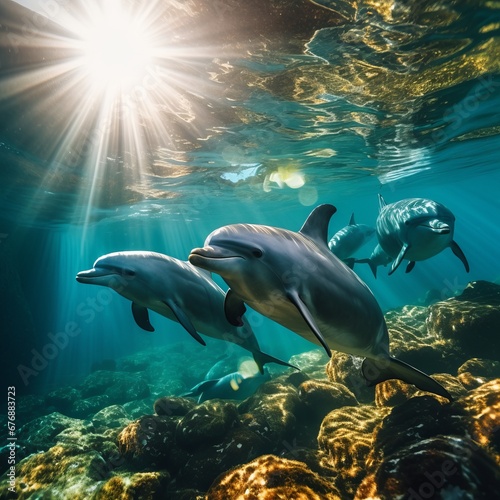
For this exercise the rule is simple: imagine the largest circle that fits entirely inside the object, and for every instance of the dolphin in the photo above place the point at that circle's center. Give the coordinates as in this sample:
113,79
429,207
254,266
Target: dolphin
294,279
377,258
235,385
416,229
175,289
349,240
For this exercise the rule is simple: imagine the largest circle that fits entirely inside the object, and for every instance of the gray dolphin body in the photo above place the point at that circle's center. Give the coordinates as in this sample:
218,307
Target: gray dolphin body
175,289
416,229
377,258
294,279
346,242
232,386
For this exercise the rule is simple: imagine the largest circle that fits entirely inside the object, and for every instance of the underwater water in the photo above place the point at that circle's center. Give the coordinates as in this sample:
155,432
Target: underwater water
230,112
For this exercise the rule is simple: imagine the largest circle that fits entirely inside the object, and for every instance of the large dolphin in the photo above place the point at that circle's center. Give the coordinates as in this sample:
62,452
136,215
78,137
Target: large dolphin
348,240
416,229
175,289
294,279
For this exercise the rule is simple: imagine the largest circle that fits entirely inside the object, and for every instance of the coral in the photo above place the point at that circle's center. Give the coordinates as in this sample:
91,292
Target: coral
346,438
270,477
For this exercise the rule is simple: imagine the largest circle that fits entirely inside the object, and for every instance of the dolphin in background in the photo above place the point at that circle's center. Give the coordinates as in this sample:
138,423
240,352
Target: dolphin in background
416,229
177,290
377,258
294,279
236,385
346,242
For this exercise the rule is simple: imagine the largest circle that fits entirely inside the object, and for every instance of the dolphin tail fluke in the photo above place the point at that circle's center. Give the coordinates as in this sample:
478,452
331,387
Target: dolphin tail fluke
350,262
372,265
261,358
458,252
378,370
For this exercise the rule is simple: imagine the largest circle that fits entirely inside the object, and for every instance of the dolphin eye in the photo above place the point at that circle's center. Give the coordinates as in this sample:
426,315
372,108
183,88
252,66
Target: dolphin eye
128,272
257,253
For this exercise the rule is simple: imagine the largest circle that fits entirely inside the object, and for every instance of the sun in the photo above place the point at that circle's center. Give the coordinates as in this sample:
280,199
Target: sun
116,47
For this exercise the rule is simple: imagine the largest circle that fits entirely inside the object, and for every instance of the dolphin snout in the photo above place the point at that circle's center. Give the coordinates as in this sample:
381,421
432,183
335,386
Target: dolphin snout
439,226
89,275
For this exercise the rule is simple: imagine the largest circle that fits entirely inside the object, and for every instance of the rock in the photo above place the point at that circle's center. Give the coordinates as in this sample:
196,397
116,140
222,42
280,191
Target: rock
173,406
84,408
439,467
270,477
475,372
105,364
120,387
469,322
346,438
271,412
310,361
41,433
141,485
239,446
346,369
111,417
206,424
63,399
394,392
412,342
320,398
149,441
97,382
139,408
482,405
61,472
412,421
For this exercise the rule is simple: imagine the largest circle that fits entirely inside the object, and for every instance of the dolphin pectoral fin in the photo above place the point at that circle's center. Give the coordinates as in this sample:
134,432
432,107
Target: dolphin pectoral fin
399,258
316,225
379,370
261,358
141,317
381,202
410,266
185,321
234,308
458,252
294,298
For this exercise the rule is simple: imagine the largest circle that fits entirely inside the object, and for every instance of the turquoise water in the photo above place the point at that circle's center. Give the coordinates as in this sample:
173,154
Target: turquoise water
256,123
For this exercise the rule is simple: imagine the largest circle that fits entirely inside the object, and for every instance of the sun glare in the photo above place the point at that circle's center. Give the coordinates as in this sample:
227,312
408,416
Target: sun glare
116,48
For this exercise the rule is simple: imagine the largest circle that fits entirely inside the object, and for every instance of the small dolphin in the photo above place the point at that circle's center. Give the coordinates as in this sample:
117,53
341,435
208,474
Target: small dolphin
377,258
175,289
294,279
346,242
232,386
416,229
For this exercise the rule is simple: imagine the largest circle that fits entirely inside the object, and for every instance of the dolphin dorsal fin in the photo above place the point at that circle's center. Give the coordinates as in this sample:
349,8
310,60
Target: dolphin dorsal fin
316,225
352,221
381,202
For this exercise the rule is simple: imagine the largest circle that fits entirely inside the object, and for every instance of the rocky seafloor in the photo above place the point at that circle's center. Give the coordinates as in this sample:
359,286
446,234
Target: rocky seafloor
124,433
